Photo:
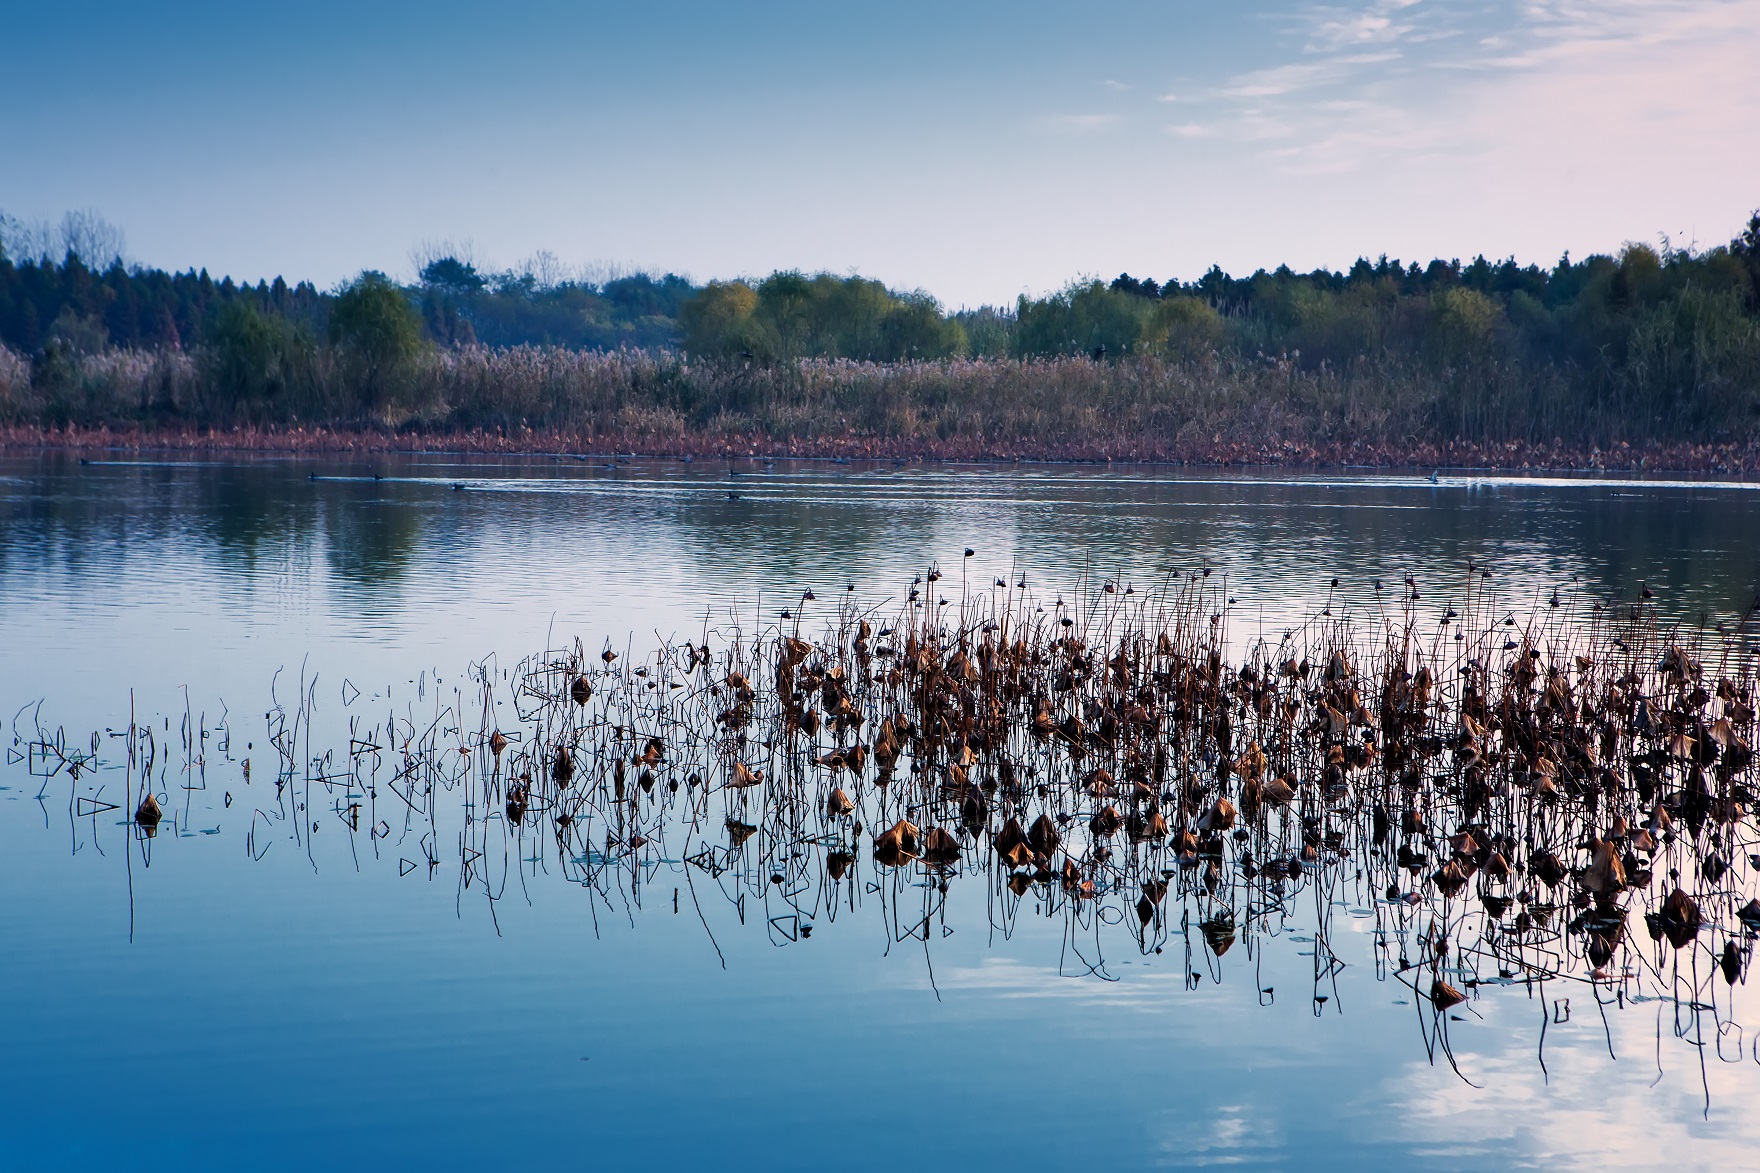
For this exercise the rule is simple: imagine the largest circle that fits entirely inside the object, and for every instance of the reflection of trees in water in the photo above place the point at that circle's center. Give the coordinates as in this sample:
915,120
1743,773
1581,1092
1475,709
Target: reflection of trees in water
1559,801
374,532
1274,539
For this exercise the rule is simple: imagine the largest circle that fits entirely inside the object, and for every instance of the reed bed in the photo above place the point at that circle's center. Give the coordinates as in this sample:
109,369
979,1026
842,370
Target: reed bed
1211,409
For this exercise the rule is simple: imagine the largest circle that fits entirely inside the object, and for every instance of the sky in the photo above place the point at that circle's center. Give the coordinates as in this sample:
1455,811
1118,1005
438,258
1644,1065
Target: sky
976,150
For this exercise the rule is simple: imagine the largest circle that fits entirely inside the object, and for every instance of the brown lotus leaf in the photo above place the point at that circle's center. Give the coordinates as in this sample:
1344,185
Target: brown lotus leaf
1218,933
940,847
839,803
1010,837
1251,794
898,844
742,776
1106,821
581,690
1338,668
1043,836
1443,995
1450,878
1546,867
1220,816
1605,874
1680,919
1150,827
562,769
1277,792
497,743
837,864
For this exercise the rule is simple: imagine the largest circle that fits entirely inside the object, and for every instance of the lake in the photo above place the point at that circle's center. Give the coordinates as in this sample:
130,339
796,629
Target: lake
305,965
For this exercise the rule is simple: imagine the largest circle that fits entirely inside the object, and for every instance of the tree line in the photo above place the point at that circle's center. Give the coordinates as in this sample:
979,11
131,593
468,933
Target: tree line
1659,340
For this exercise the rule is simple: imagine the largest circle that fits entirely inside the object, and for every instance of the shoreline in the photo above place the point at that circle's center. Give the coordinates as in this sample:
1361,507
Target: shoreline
1728,459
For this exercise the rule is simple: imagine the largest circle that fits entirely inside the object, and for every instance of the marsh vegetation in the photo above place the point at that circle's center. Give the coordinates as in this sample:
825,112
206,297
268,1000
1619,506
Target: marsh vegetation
1514,805
1657,348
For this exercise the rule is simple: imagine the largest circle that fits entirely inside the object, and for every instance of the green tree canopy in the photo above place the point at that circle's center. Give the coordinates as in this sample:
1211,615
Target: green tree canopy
378,333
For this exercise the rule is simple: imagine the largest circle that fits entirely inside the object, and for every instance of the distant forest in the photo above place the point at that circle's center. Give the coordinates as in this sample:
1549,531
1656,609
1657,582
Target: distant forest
1654,343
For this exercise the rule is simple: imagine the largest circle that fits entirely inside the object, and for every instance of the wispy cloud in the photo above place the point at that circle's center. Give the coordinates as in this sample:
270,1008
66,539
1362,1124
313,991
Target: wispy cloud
1333,27
1360,83
1082,123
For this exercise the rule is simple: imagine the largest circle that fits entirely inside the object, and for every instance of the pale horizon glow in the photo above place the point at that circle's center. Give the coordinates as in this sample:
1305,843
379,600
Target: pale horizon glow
977,151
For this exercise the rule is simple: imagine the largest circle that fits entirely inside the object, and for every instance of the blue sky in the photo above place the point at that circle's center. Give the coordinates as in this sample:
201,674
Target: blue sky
977,150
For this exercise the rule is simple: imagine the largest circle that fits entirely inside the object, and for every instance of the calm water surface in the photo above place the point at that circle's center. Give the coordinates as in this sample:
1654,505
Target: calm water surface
241,991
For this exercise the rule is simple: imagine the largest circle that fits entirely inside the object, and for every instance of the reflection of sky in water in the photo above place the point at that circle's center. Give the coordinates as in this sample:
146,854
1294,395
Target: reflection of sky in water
273,1012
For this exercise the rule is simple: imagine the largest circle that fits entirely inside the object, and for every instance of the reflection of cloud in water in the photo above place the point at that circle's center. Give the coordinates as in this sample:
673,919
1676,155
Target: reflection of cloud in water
1150,990
1231,1134
1585,1110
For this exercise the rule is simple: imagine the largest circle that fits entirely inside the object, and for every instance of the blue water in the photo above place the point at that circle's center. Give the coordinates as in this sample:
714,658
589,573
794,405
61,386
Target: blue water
240,991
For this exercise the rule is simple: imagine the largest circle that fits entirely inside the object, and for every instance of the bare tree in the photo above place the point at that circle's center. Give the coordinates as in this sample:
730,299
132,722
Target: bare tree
91,238
545,269
463,251
27,240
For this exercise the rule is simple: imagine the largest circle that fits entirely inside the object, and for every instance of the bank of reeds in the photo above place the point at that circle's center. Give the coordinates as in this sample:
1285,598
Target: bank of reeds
1213,409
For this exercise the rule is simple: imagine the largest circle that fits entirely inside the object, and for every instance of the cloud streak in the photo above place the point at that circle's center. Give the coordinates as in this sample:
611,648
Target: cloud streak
1362,84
